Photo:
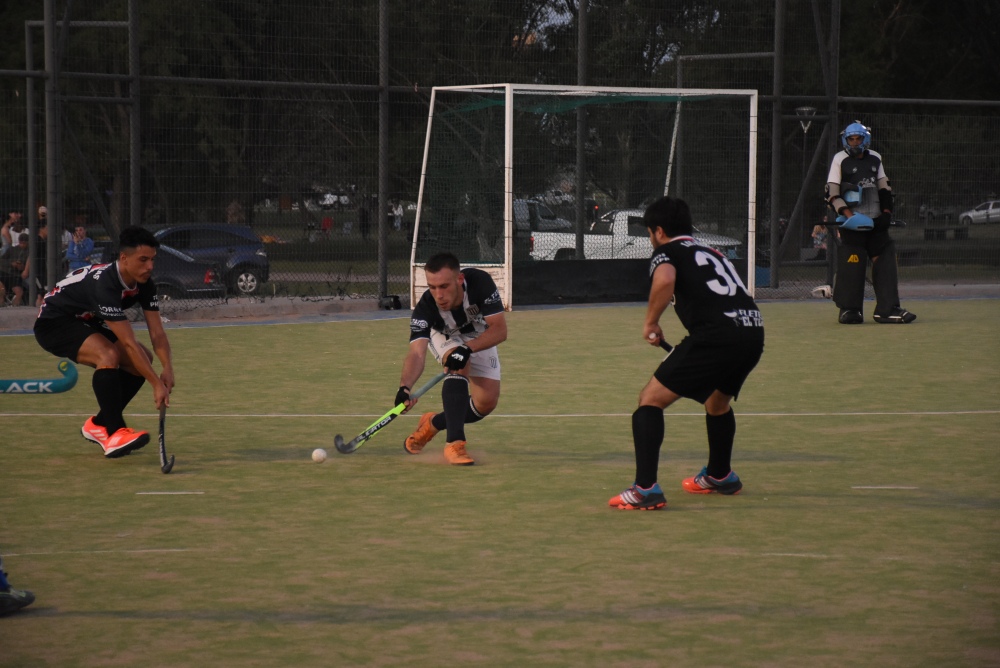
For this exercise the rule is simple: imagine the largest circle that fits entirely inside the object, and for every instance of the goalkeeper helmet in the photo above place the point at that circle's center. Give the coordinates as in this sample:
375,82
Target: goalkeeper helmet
856,129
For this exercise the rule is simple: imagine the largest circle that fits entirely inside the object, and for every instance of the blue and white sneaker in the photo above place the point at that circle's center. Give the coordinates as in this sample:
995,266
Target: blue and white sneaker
706,484
637,498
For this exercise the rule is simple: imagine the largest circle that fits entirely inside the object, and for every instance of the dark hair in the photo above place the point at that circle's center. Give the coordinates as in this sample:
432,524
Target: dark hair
441,260
133,237
671,215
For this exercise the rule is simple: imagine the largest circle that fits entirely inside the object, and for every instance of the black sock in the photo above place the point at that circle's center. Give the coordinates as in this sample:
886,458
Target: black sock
647,433
440,421
130,384
108,390
455,397
721,432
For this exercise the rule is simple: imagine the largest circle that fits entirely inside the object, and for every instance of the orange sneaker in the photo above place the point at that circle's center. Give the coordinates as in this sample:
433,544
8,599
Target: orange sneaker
94,432
124,441
416,441
455,453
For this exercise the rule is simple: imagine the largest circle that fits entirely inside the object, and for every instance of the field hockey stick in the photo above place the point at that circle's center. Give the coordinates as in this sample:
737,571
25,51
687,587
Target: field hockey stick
43,385
165,465
355,443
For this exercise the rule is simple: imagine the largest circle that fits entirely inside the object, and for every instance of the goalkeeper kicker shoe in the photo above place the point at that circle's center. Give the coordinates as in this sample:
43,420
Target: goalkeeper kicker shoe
455,453
94,432
898,316
637,498
416,441
124,441
706,484
849,316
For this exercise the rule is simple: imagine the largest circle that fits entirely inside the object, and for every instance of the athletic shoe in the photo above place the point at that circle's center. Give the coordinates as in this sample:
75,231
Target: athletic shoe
455,453
849,316
898,316
124,441
94,432
12,600
637,498
706,484
416,441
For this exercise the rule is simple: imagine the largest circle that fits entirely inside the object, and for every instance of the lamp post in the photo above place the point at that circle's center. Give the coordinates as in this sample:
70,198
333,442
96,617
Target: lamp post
805,115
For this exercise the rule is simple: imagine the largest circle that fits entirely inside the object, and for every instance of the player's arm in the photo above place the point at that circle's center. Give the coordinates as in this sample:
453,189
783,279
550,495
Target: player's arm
413,367
137,357
161,347
495,334
661,292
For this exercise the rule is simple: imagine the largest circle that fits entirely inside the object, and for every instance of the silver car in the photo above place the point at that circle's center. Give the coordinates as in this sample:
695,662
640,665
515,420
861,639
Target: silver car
987,212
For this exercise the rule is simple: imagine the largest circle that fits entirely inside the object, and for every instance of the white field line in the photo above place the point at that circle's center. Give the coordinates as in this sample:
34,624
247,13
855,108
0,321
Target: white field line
149,551
166,493
524,415
882,487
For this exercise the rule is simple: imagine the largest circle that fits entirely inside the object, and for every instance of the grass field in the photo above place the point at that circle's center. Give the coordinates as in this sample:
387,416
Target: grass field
867,533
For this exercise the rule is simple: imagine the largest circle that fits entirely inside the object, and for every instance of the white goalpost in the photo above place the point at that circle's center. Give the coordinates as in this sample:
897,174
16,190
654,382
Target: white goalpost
490,149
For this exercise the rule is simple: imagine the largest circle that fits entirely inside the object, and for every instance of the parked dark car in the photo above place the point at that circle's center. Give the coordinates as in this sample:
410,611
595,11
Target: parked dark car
236,250
180,276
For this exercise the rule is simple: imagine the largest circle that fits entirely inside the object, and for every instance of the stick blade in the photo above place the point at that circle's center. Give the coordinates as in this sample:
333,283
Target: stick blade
342,447
168,466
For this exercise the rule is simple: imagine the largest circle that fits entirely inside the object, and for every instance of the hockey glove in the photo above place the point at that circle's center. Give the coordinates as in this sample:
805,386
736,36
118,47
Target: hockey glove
458,358
402,395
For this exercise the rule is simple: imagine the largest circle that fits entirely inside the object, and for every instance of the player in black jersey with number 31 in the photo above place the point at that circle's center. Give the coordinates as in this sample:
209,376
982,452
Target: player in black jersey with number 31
83,318
724,343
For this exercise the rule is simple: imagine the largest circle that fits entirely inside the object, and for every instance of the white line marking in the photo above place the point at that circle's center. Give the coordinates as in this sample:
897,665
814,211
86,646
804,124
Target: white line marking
168,493
795,554
151,551
882,487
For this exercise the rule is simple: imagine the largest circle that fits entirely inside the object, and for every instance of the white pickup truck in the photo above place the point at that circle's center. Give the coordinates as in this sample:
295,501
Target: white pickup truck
619,235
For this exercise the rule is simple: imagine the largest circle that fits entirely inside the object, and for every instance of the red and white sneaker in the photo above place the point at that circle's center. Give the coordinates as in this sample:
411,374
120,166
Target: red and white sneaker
124,441
94,432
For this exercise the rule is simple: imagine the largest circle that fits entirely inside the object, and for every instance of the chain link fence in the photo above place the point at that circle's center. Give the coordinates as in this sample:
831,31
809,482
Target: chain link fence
306,124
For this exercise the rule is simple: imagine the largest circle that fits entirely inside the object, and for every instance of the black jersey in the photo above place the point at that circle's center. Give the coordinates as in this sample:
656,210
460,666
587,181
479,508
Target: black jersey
709,297
97,293
481,299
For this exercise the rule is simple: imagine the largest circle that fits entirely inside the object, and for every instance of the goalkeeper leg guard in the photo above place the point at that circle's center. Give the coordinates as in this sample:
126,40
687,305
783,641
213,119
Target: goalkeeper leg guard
849,290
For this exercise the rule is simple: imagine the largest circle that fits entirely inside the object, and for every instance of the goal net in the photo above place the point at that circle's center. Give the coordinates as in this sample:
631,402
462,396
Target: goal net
511,168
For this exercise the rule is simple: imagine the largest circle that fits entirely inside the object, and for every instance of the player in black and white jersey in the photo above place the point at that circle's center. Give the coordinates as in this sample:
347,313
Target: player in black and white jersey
83,318
858,189
724,343
460,319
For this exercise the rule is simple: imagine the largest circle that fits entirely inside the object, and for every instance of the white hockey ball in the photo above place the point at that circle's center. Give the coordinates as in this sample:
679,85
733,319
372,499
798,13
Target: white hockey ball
319,455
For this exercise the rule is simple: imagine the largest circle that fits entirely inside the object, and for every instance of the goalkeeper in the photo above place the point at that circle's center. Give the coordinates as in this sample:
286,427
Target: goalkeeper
858,190
460,318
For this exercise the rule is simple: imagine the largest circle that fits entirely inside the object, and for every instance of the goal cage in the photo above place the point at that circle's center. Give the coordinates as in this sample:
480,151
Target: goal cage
506,164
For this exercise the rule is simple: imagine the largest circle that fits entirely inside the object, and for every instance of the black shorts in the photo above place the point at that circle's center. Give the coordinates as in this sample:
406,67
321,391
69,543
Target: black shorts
63,336
695,370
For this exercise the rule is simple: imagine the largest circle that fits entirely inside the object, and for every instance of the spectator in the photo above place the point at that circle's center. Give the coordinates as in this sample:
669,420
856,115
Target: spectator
326,226
11,266
39,260
397,216
11,230
819,236
79,249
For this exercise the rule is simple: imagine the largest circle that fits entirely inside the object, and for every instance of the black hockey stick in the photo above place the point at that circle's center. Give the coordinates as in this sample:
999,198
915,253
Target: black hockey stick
355,443
165,465
663,344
